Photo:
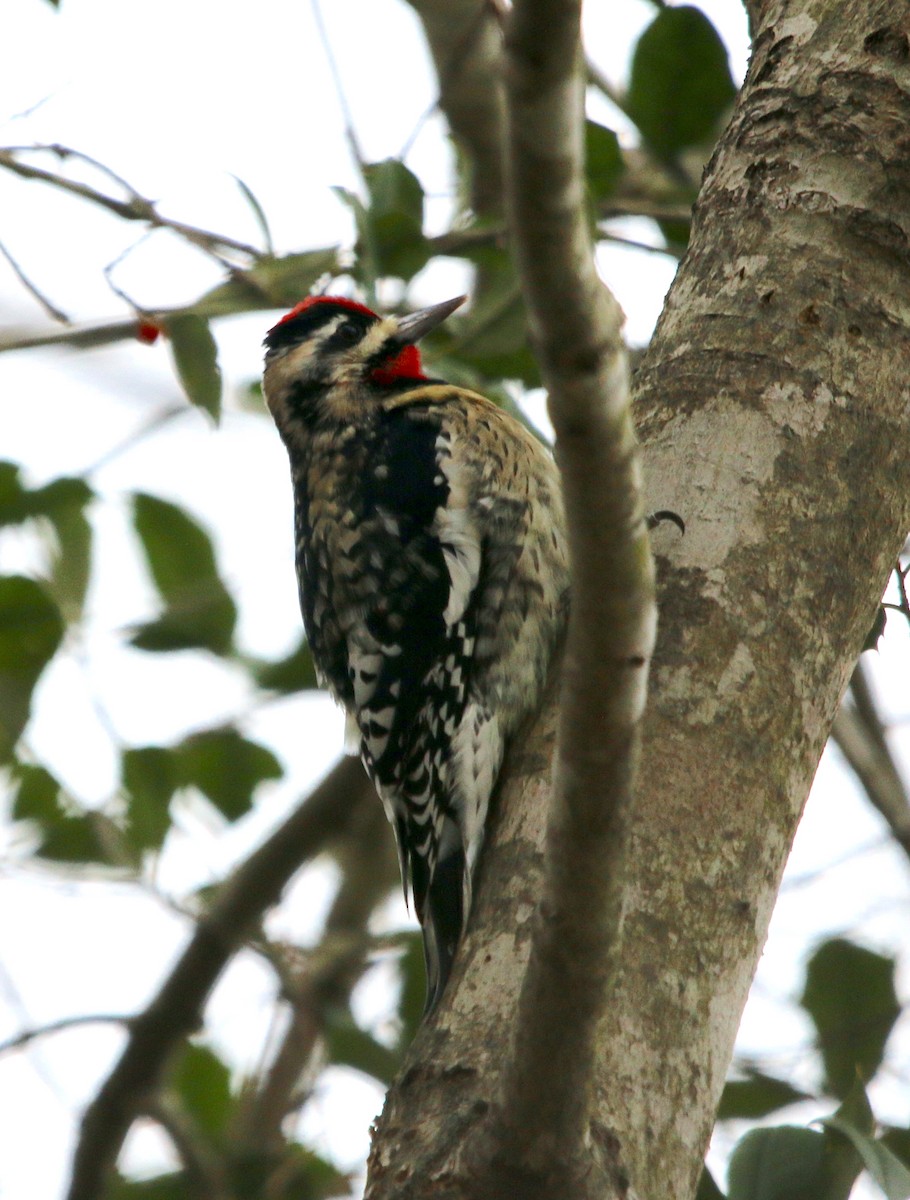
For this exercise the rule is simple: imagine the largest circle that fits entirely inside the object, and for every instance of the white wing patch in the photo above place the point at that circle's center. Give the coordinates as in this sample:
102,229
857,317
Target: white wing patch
478,750
459,536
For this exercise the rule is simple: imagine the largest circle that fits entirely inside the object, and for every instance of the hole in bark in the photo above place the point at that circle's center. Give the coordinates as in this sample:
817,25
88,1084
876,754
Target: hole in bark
888,42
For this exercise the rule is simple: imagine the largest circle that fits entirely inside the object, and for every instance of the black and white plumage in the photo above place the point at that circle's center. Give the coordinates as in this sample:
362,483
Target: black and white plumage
432,566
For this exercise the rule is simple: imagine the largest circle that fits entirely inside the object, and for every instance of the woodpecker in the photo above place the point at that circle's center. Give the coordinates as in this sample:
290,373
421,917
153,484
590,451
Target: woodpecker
432,568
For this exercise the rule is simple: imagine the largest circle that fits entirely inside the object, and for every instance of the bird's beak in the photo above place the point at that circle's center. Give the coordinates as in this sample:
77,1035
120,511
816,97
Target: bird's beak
414,326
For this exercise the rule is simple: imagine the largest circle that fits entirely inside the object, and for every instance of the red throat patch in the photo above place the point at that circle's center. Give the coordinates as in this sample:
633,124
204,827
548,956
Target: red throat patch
405,365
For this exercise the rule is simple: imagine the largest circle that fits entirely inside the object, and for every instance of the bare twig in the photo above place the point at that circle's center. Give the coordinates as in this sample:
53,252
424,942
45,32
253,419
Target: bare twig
369,864
860,736
151,424
136,208
177,1008
633,244
542,1119
205,1172
603,85
26,1036
81,337
350,131
51,309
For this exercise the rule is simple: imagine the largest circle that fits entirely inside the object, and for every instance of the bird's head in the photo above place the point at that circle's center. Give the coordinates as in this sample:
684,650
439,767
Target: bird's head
329,356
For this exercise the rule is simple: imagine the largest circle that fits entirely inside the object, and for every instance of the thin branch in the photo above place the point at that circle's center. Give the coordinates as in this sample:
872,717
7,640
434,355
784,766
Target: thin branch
465,42
136,208
541,1124
26,1036
350,131
151,424
206,1175
51,309
597,78
370,867
82,337
642,206
617,239
176,1010
860,736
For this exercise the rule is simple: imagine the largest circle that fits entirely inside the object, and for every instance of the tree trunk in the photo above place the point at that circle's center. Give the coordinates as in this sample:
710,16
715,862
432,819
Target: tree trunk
773,408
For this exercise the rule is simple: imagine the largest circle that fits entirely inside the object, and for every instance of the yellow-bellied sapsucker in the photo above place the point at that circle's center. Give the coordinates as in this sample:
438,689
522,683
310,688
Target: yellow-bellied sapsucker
431,559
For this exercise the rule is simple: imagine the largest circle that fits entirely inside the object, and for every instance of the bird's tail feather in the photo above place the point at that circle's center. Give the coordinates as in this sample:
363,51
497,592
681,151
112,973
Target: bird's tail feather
443,922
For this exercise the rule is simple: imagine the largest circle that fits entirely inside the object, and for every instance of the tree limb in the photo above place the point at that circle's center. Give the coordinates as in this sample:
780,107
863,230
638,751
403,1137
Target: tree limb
464,40
176,1010
542,1118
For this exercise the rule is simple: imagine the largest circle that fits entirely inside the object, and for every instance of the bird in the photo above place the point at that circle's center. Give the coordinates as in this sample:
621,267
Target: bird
433,574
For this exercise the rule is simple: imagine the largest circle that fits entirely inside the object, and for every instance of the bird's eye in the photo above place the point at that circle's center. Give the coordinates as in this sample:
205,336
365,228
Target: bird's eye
347,334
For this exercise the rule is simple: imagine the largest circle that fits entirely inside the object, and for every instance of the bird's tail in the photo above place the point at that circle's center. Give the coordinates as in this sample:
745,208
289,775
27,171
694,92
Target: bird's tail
443,922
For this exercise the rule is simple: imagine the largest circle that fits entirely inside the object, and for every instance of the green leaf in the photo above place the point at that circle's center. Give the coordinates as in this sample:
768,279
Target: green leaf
291,1173
494,338
226,767
603,160
843,1164
37,795
707,1187
15,500
366,266
77,839
783,1163
239,294
203,1083
680,85
31,630
351,1046
199,611
285,280
849,994
270,283
306,1174
293,673
258,213
756,1096
897,1139
195,357
395,214
65,836
885,1167
175,1185
676,234
64,502
150,776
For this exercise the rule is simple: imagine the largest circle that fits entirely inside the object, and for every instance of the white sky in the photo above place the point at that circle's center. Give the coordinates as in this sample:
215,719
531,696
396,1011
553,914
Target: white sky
177,98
